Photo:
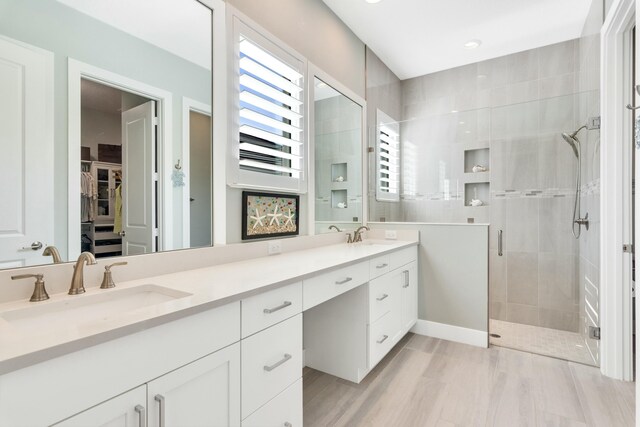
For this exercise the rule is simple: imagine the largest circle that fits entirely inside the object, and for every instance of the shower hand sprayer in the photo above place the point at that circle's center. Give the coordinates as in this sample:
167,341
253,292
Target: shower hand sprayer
574,142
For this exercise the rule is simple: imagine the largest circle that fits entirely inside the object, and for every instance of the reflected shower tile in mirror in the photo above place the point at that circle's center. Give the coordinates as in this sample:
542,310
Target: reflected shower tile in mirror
337,157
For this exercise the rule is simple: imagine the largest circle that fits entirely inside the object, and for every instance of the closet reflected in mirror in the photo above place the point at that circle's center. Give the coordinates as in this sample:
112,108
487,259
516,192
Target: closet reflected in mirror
105,128
338,151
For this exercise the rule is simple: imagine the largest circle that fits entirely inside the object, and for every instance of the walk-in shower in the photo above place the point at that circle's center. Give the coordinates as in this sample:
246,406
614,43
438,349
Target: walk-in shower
577,221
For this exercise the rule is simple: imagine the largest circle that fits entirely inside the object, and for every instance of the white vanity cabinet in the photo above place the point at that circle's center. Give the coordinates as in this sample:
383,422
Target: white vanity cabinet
127,410
347,336
272,357
202,393
239,364
409,296
183,360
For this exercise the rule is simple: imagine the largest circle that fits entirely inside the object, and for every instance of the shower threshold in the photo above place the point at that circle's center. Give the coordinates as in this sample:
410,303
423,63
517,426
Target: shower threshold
545,341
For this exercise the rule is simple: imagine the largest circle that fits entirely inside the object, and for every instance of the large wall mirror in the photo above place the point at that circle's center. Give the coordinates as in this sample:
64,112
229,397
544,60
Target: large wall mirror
105,128
338,133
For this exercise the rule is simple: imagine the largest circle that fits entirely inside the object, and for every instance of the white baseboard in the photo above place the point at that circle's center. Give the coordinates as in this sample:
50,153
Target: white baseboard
451,333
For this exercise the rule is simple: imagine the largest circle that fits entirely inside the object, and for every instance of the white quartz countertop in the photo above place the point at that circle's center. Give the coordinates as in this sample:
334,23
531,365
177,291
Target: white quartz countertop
22,346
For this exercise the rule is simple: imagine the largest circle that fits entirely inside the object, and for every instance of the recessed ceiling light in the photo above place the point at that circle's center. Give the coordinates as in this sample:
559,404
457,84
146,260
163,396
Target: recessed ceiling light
372,1
472,44
454,111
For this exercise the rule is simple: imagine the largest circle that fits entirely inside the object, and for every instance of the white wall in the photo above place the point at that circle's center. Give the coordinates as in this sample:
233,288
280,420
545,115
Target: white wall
99,127
311,28
453,273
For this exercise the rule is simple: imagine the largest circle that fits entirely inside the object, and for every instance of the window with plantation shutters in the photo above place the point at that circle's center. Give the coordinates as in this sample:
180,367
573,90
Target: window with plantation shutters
387,158
270,145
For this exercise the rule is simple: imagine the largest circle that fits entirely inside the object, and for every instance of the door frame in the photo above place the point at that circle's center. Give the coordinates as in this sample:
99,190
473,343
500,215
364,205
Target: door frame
76,72
616,350
189,105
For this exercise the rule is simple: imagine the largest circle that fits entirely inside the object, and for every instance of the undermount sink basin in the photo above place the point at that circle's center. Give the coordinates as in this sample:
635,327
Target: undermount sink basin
81,309
378,242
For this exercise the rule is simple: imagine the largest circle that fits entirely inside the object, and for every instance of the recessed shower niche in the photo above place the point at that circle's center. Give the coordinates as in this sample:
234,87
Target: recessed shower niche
477,194
476,160
339,172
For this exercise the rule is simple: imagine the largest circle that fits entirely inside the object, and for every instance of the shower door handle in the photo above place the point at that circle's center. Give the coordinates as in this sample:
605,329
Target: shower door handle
499,242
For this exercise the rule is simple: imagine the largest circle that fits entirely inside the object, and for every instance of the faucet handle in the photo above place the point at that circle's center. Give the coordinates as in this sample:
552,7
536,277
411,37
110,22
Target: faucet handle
39,291
107,280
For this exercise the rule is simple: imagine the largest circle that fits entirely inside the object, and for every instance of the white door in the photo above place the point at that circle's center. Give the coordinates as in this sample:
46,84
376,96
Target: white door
26,150
203,393
125,410
139,180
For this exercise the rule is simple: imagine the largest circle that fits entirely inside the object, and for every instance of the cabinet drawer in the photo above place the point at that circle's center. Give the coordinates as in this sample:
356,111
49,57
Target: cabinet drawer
283,410
381,295
402,257
379,266
323,287
382,336
266,309
271,361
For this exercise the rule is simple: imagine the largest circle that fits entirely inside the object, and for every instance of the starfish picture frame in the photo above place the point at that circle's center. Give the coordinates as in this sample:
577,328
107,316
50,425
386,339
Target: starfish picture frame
267,215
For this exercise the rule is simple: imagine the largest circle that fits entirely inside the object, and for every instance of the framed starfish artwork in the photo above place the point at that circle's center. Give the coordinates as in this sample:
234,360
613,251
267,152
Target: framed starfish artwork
266,215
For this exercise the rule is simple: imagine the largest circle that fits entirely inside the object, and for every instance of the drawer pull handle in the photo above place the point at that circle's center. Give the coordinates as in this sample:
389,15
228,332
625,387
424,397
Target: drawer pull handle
383,297
142,415
160,399
343,281
288,424
383,339
280,307
275,365
383,265
406,278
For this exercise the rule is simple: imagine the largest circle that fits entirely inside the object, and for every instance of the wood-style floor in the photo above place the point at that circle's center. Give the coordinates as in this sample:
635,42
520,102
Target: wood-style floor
429,382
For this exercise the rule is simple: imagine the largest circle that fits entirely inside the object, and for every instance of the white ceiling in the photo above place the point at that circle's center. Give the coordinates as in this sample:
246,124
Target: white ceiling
182,27
417,37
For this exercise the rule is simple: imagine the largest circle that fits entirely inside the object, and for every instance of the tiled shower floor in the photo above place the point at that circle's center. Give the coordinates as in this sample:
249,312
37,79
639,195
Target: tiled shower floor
535,339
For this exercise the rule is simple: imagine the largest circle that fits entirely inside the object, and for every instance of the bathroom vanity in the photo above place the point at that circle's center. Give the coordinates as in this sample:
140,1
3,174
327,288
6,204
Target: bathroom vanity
222,345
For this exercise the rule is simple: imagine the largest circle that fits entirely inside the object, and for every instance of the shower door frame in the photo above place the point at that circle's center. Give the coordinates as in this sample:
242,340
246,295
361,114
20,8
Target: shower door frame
615,203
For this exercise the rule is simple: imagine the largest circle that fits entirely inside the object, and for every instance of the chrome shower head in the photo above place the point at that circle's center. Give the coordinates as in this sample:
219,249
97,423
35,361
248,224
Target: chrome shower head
570,139
573,140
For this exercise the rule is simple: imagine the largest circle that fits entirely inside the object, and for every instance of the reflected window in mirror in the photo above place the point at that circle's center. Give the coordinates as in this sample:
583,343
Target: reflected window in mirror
127,153
337,158
387,158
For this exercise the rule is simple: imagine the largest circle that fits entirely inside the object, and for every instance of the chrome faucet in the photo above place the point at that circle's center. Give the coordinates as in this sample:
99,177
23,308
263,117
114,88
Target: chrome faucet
77,281
53,252
335,227
357,235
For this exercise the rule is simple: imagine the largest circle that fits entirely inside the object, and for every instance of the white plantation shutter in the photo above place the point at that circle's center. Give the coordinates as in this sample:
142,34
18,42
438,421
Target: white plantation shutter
387,158
270,145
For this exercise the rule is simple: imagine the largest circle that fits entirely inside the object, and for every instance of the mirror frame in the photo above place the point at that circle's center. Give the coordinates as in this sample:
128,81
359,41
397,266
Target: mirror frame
314,72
